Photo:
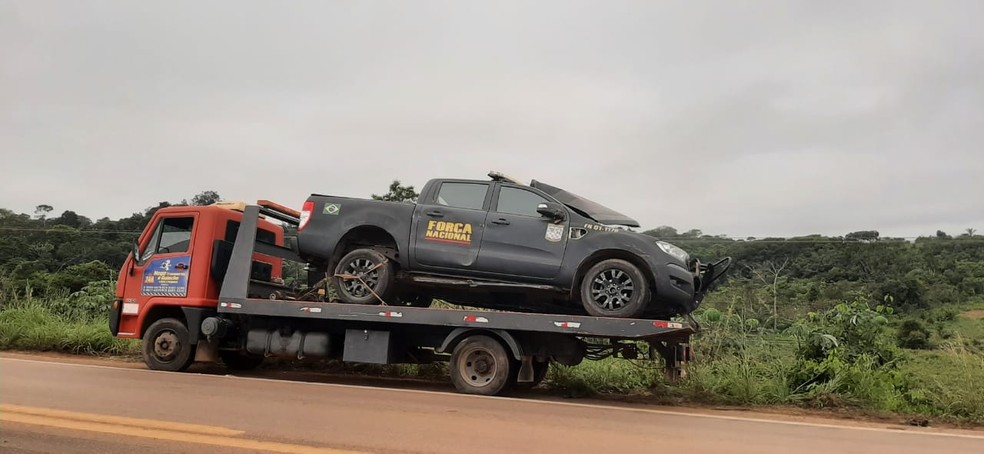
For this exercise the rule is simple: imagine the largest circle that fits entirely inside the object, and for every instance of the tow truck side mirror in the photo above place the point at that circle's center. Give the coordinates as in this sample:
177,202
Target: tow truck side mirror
136,254
551,210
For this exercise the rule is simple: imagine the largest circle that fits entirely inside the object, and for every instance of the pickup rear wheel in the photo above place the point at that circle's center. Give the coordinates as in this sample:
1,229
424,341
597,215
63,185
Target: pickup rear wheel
166,346
366,277
480,365
614,288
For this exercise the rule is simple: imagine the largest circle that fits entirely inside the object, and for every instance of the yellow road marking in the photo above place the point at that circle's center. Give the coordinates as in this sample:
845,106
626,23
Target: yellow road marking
122,421
159,434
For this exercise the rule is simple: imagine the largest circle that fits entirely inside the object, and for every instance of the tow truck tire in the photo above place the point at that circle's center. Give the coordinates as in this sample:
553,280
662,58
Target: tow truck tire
235,360
375,272
166,346
614,288
480,365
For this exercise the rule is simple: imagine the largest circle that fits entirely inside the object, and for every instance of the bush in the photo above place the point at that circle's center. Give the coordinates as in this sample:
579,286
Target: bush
913,334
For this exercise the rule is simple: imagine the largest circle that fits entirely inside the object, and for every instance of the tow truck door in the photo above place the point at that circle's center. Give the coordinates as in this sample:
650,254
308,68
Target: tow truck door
449,224
163,270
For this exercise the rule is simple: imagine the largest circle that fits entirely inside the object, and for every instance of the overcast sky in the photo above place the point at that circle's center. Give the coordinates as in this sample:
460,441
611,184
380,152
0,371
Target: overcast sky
769,118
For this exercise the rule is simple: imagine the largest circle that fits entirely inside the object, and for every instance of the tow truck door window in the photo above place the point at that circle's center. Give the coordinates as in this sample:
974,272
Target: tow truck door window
172,236
449,226
519,241
175,235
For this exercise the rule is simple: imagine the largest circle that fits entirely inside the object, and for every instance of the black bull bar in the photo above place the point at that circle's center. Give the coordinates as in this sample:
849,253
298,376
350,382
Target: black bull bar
708,277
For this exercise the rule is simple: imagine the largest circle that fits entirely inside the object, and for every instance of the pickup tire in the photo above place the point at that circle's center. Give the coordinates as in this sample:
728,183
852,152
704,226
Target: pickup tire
614,288
166,346
480,365
370,271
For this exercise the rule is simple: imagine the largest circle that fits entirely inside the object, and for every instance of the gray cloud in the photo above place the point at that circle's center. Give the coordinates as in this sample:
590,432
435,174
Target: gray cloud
769,118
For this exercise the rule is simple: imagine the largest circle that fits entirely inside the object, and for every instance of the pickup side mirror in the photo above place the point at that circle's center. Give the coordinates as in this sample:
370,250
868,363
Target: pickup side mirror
552,210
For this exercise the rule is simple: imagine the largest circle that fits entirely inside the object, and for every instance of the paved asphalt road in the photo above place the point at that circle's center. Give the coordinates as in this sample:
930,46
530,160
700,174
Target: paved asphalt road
59,407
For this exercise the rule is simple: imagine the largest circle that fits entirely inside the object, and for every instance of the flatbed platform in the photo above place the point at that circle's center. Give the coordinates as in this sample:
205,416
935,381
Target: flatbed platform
611,328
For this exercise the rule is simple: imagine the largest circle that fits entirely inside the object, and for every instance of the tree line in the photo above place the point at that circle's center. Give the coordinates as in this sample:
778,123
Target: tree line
44,254
63,253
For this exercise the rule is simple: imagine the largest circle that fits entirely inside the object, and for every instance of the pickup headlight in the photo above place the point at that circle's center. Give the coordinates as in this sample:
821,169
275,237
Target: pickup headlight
676,252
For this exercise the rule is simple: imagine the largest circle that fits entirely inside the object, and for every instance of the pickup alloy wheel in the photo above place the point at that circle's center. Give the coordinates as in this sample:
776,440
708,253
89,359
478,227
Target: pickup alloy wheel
614,288
364,276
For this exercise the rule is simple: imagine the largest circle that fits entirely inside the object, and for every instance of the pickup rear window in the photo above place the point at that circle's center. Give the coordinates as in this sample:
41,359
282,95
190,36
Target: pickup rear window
463,195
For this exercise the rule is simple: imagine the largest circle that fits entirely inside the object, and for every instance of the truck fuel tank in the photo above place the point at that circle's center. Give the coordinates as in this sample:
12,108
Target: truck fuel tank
293,344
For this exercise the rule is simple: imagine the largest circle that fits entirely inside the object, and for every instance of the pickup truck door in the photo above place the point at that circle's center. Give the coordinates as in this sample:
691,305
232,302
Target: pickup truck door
449,225
519,241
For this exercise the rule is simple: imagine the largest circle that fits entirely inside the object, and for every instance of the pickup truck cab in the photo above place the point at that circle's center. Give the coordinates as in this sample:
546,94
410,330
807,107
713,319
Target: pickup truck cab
499,244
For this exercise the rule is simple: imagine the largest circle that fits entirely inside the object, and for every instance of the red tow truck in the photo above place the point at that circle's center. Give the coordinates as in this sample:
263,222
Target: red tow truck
207,284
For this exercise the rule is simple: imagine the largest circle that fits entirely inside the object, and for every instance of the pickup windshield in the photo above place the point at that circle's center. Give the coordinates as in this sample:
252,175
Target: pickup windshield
586,207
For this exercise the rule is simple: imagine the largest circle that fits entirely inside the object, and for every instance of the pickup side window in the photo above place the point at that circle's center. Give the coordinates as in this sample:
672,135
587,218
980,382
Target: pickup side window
173,235
463,195
518,201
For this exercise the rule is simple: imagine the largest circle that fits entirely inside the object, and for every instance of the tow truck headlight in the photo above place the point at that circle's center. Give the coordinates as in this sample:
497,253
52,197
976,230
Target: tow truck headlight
674,251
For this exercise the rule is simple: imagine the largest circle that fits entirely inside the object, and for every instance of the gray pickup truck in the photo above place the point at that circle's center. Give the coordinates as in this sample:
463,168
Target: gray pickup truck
500,244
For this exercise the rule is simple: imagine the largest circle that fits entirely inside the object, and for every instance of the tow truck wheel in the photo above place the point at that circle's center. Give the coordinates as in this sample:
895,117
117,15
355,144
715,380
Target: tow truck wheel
235,360
480,365
367,277
614,288
166,346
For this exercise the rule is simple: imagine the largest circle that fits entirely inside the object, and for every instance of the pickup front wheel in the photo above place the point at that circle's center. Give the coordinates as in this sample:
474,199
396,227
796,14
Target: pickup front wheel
614,288
363,276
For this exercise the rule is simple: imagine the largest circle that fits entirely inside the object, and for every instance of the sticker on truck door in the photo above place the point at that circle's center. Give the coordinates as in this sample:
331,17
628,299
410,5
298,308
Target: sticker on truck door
449,232
333,209
166,277
555,232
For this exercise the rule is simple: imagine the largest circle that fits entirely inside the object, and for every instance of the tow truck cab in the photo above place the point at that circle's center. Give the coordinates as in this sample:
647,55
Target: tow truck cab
178,264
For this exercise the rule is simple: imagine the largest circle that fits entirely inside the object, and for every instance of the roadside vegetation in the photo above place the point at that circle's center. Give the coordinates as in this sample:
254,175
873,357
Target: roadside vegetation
70,323
858,322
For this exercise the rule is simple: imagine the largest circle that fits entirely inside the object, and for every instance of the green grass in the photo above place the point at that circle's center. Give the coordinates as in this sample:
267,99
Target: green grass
967,328
33,326
946,383
738,363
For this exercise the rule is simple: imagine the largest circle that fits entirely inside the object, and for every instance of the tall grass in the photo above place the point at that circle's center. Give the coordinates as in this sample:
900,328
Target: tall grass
948,383
34,326
73,323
